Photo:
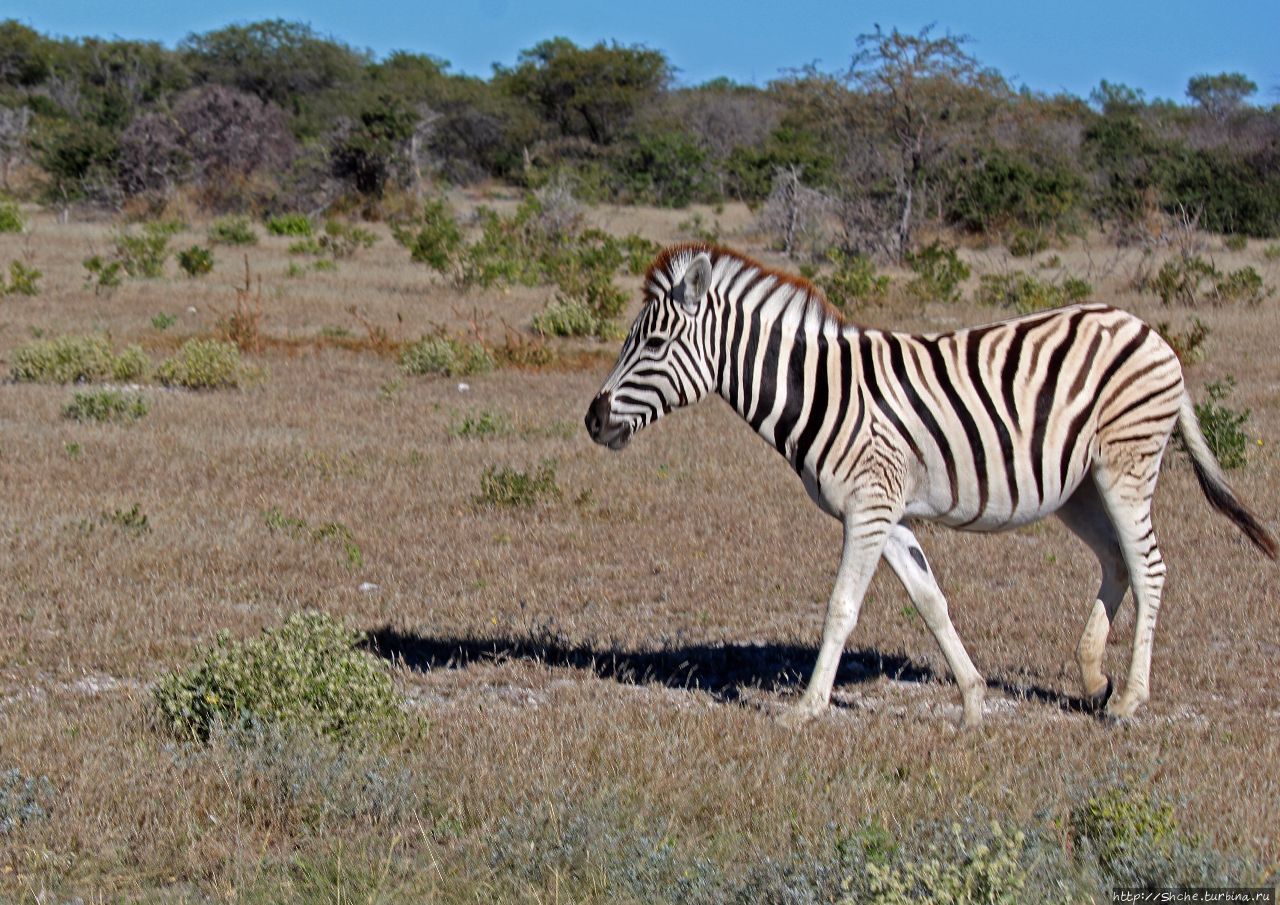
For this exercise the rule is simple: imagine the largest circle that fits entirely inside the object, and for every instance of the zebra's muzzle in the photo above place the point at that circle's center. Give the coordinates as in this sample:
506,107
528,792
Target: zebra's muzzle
603,427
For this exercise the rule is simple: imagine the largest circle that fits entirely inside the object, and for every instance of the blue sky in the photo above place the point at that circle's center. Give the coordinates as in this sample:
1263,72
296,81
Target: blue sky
1050,46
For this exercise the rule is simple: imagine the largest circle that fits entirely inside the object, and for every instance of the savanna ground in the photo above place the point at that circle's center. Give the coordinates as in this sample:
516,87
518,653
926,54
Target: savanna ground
593,675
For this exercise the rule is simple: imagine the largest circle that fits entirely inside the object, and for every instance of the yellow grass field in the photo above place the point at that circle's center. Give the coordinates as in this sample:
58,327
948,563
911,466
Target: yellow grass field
616,652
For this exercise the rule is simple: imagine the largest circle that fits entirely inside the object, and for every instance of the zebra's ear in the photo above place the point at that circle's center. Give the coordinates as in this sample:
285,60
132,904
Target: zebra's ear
697,280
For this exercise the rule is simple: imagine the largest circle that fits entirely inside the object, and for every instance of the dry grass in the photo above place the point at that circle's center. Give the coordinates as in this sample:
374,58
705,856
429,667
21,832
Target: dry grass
611,649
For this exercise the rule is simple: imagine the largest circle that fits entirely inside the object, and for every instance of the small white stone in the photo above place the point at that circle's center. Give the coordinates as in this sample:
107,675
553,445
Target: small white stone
367,587
191,309
463,387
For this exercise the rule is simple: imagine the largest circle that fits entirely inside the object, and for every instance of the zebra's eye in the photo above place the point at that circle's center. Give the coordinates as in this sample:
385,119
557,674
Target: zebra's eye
654,343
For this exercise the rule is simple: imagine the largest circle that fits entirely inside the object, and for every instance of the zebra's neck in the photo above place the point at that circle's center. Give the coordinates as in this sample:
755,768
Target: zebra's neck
775,335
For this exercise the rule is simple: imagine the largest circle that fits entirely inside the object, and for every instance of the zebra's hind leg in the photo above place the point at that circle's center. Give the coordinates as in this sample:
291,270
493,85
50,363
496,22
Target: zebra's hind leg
1127,493
1085,515
907,561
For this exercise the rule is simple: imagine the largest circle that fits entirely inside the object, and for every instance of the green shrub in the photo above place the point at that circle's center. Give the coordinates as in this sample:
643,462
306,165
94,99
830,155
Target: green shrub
1243,285
163,321
203,364
342,240
1272,252
446,355
103,274
290,225
144,255
1222,425
76,359
1132,839
11,220
107,405
639,253
1188,345
434,238
233,231
1025,293
1235,242
1027,242
565,317
511,487
959,871
195,261
1182,280
852,282
1179,279
482,424
939,273
306,674
24,800
23,280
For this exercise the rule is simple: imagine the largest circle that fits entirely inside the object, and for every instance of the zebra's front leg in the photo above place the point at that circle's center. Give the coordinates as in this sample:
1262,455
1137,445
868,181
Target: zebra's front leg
865,532
907,560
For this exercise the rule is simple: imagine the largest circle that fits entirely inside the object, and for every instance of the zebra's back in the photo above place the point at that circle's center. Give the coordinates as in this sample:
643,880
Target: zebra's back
1006,419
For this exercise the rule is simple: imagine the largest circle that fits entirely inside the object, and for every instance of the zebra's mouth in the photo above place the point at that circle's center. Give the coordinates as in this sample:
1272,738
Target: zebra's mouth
615,437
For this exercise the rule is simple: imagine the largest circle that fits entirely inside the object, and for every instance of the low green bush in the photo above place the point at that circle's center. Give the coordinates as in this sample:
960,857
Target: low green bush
1027,242
514,488
163,321
144,255
203,364
290,225
196,261
1130,838
447,356
1222,425
938,273
1026,293
103,274
433,238
960,871
1187,344
307,674
1235,242
23,280
565,317
107,405
1243,285
852,282
484,423
11,219
233,231
76,359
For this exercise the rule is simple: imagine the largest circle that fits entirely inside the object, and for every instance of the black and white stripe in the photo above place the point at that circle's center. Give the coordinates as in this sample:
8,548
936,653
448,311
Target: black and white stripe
1064,412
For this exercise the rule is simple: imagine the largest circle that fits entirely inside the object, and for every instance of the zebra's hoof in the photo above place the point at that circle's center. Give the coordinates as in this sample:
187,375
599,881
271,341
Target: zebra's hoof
1094,703
796,716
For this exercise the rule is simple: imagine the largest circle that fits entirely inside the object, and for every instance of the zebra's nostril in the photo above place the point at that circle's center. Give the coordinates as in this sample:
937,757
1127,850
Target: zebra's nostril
598,415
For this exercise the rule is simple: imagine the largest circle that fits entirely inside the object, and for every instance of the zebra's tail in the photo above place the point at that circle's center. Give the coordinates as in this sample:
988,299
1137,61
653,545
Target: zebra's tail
1215,485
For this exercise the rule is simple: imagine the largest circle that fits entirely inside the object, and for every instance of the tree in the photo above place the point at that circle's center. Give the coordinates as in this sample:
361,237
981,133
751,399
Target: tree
24,55
368,154
919,87
14,124
591,92
1221,95
229,134
281,62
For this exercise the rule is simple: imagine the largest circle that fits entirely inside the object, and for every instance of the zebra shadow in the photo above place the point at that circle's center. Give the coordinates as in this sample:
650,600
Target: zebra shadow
723,671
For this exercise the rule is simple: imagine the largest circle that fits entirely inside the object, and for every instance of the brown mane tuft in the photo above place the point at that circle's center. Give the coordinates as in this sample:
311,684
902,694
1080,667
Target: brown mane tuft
812,293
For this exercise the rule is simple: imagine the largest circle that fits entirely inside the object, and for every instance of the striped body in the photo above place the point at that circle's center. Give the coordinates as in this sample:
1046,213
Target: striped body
1066,411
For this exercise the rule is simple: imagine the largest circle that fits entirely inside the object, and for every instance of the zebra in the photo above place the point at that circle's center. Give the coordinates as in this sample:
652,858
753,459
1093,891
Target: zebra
1065,412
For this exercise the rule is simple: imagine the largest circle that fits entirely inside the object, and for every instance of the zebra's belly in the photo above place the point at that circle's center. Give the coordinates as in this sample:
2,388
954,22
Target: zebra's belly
995,515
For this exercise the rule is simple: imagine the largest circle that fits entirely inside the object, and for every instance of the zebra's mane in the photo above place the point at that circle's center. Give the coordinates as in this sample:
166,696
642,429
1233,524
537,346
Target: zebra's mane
670,265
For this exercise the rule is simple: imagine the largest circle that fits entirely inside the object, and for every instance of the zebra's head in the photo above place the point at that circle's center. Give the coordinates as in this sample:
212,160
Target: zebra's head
665,362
